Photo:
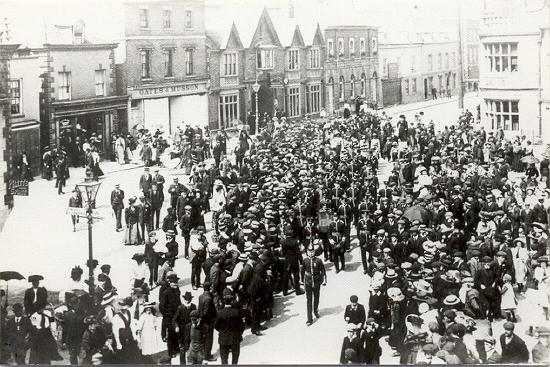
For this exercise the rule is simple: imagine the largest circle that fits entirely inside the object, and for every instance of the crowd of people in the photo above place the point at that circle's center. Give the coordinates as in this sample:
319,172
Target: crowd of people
450,241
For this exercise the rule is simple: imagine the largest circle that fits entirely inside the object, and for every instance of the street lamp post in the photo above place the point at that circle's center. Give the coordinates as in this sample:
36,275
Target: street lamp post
90,189
256,89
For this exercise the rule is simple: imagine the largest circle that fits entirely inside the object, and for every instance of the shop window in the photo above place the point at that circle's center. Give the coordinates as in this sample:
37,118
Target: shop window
264,59
145,58
167,18
293,59
143,18
504,113
294,101
15,96
314,58
189,61
188,22
64,86
100,82
230,63
229,109
168,63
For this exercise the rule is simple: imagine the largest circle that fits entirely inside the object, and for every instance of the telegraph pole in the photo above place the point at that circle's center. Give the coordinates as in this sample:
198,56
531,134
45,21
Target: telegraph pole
460,69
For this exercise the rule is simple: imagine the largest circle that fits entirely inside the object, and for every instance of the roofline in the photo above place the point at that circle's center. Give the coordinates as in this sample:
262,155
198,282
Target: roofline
53,46
344,27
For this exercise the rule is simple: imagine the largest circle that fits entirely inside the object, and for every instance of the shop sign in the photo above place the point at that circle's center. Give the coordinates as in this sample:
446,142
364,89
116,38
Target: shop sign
168,90
65,123
18,187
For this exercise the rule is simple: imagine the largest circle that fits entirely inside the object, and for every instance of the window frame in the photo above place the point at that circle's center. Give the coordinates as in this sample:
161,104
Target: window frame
144,18
145,52
430,62
67,95
341,47
495,112
166,11
261,58
315,55
362,46
293,59
330,47
502,58
228,106
103,74
294,101
18,98
230,63
189,61
168,58
314,98
351,46
341,84
188,19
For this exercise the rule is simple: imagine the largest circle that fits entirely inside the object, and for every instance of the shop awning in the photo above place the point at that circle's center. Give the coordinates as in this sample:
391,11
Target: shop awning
90,105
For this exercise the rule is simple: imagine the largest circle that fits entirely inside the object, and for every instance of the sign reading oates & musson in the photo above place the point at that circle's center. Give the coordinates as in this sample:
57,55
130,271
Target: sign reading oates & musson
168,90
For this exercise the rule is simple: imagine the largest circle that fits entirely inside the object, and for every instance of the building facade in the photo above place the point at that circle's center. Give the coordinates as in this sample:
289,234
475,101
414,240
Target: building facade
79,96
411,67
514,71
351,66
471,55
6,157
25,85
166,64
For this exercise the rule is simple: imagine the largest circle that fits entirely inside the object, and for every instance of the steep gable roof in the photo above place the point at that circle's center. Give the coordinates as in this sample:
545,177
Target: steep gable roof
297,39
265,33
234,40
318,39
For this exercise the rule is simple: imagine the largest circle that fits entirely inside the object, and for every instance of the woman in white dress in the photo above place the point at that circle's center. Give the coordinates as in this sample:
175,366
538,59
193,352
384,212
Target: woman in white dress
148,331
520,256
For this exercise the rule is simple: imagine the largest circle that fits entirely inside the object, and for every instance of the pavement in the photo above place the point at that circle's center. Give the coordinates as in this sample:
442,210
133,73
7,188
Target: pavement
38,239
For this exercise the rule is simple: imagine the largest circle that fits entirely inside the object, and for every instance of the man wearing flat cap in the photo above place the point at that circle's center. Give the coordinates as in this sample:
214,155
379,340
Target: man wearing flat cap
36,297
513,347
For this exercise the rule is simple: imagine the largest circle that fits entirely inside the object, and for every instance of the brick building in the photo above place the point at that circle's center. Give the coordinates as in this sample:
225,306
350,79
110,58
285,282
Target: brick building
351,66
79,94
166,63
6,158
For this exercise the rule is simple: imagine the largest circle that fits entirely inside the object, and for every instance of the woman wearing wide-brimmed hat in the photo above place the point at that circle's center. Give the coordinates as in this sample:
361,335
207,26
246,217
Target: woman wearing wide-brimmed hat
397,317
132,235
415,338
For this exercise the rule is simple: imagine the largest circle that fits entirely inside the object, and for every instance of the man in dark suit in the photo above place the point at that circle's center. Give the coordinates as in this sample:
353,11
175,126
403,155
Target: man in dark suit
18,330
157,198
36,297
513,347
355,312
169,301
175,190
117,203
158,179
207,313
145,181
230,328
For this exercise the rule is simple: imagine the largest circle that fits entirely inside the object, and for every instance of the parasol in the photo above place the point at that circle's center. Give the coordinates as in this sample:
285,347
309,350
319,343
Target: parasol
530,160
7,276
418,213
138,127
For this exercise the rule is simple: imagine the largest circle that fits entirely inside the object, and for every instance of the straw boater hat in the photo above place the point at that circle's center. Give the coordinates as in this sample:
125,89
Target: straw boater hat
423,286
395,294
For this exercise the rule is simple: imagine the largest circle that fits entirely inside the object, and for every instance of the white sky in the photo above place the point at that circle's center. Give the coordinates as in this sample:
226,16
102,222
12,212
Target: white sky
104,19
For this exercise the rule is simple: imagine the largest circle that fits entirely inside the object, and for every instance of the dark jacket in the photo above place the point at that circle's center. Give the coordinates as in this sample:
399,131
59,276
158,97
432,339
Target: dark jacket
515,351
117,199
230,326
207,308
169,301
357,316
41,300
18,333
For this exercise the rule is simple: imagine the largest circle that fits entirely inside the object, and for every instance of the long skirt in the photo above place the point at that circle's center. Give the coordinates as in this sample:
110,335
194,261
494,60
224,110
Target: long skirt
132,235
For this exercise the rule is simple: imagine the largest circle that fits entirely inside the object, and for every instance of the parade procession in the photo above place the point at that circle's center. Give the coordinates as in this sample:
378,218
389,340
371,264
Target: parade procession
201,206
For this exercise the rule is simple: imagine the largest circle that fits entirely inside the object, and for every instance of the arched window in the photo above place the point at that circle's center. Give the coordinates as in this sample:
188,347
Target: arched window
363,85
352,86
341,85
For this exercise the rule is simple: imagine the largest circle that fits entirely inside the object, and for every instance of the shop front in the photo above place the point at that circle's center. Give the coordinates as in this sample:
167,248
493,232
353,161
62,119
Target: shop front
169,105
94,120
